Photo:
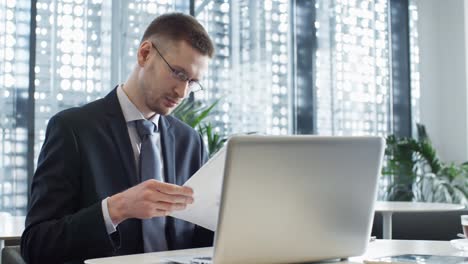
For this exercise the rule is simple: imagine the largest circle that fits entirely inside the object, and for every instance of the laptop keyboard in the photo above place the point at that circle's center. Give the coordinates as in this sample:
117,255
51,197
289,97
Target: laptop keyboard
201,260
189,260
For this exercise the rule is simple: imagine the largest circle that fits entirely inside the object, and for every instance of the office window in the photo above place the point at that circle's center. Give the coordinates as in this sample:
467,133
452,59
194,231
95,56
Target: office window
414,60
353,68
70,58
14,83
252,74
84,48
250,71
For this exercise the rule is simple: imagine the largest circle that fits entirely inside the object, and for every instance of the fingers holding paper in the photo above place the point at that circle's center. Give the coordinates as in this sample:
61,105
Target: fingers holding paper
148,199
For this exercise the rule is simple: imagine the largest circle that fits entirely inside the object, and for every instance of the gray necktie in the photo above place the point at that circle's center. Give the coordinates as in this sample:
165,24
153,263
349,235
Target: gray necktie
154,229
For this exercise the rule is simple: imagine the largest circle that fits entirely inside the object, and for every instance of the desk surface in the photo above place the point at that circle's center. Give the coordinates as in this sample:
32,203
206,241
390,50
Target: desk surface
11,227
378,248
415,207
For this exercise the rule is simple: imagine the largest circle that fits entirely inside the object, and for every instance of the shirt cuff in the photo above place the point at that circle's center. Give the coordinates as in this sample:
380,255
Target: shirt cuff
110,227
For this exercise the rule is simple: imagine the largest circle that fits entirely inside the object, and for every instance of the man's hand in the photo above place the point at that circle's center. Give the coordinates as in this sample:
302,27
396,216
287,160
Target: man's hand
148,199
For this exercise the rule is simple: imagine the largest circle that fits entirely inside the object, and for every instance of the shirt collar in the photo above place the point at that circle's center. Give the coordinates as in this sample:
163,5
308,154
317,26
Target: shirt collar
130,111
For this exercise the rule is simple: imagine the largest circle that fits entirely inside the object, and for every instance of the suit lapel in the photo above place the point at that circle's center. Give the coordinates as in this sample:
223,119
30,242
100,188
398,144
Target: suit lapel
168,149
119,132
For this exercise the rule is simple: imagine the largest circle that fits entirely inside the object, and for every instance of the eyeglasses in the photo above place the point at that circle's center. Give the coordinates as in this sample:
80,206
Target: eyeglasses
193,86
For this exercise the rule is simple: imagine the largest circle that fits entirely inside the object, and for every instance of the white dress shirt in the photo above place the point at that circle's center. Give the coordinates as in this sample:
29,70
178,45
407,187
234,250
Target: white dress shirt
131,113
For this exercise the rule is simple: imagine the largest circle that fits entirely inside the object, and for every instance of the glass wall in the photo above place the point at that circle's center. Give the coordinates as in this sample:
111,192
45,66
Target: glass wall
14,85
353,68
84,48
253,72
250,73
414,60
70,68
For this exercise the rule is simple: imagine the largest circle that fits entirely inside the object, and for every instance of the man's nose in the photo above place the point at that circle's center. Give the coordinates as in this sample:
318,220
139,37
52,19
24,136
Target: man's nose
182,89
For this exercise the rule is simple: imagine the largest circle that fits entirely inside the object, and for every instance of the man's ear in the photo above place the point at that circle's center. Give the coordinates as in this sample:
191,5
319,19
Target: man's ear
143,53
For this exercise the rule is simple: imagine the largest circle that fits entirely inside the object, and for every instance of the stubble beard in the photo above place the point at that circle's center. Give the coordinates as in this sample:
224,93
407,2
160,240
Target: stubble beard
157,107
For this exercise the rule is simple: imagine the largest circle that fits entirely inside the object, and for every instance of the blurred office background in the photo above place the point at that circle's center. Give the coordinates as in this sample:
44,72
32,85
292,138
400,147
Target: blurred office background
341,67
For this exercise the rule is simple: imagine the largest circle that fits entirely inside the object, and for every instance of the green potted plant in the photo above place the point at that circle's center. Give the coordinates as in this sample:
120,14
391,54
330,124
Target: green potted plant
414,172
194,114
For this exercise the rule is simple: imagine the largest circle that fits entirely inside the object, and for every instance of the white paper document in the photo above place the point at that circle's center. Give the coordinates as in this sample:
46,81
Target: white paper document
206,184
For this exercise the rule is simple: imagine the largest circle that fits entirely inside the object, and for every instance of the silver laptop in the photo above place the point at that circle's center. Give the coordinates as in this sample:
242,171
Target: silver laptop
296,198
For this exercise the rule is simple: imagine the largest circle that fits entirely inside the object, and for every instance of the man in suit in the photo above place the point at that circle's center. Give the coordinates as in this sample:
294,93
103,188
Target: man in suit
101,187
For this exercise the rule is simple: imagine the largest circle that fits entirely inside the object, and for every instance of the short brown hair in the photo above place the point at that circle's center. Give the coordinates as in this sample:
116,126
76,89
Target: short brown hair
179,26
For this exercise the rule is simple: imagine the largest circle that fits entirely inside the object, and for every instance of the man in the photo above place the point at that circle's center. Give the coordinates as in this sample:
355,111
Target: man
111,171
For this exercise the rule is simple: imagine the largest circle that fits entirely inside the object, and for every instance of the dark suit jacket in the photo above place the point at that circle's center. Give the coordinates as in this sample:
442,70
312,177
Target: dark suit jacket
86,157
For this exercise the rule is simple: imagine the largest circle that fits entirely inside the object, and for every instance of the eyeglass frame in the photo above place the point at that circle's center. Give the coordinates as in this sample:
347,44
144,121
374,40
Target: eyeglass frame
180,74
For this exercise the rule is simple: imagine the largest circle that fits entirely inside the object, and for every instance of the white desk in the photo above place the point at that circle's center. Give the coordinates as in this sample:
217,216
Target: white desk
388,208
378,248
11,228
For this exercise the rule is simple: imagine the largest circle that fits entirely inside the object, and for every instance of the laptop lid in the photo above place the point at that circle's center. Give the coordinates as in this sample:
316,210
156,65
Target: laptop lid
297,198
